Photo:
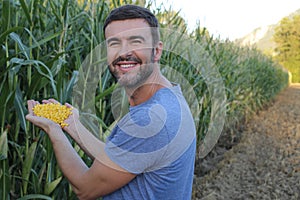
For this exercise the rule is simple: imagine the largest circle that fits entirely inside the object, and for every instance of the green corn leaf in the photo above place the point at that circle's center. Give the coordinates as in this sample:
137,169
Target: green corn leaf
3,145
7,32
65,8
49,187
5,185
26,168
40,82
42,41
35,196
37,64
5,14
26,11
18,40
20,108
70,85
110,128
106,92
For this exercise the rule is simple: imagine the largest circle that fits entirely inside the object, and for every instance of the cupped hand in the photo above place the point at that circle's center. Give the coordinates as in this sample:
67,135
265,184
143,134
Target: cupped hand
41,122
72,120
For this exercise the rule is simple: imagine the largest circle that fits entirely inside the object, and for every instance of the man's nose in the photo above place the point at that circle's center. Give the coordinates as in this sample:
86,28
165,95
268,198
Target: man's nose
125,51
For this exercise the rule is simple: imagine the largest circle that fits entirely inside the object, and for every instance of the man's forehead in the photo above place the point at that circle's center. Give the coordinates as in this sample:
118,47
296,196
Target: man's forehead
127,27
131,32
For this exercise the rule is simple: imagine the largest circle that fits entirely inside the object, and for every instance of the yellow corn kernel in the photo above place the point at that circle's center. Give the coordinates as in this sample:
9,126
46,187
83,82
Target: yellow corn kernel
55,112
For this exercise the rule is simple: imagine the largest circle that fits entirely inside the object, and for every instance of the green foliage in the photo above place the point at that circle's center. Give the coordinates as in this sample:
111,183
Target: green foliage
43,46
287,38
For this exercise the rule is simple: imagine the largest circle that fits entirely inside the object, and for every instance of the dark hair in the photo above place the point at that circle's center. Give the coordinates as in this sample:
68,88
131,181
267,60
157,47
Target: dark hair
134,12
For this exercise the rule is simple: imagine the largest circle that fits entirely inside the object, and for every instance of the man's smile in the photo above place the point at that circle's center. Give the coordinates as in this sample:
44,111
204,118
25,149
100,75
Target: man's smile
127,66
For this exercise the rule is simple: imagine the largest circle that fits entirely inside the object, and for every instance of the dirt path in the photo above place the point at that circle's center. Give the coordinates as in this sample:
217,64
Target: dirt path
265,164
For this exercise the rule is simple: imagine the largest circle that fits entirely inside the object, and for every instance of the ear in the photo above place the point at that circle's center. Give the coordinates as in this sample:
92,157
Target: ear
158,51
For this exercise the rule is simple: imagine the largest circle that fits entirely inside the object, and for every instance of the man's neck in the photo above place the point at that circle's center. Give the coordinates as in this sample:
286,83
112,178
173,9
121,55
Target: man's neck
146,91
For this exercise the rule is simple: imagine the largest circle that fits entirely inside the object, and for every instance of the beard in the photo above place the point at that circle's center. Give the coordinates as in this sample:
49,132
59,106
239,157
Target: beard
136,77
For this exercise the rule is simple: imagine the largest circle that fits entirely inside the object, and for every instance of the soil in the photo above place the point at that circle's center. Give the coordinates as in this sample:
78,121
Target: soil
263,164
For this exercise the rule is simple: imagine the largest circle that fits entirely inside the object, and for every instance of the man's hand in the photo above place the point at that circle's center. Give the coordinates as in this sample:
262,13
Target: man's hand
41,122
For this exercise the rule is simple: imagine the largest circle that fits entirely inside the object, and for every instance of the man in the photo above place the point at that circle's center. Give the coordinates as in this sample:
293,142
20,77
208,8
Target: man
150,153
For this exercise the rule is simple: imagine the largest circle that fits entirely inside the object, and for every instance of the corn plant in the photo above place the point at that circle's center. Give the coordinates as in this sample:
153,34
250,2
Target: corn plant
43,47
44,43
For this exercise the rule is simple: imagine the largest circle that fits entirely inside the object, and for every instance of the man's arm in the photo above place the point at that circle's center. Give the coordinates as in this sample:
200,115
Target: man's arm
82,136
103,177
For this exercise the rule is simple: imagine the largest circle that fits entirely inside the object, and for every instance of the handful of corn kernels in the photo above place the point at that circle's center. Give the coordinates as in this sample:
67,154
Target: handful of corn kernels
55,112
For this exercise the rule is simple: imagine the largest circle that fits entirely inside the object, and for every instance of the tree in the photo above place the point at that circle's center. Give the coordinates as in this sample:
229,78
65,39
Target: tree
287,38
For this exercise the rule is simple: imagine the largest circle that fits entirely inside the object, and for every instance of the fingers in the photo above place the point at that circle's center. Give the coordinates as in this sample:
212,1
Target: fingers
68,105
50,101
29,117
31,104
53,101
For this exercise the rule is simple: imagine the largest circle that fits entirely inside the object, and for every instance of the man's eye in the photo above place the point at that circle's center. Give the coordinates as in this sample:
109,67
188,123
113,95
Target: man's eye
136,42
112,44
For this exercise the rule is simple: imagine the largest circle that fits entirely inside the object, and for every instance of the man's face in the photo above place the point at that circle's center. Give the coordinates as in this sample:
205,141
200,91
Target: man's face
130,52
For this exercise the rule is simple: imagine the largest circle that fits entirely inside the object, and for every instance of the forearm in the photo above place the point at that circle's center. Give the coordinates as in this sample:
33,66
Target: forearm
101,178
90,144
68,160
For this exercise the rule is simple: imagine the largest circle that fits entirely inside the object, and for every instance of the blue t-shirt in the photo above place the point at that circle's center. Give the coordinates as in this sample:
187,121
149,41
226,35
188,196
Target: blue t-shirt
156,141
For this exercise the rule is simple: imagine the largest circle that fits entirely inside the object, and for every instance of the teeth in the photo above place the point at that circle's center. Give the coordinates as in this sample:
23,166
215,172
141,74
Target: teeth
127,66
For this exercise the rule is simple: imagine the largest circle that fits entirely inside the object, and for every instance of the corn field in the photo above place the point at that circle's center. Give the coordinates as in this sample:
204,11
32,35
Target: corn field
44,45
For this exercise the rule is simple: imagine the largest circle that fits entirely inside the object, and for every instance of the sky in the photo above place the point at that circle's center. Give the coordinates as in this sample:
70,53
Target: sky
232,19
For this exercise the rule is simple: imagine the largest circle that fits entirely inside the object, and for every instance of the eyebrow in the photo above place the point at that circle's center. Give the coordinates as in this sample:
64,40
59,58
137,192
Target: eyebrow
111,40
136,37
130,38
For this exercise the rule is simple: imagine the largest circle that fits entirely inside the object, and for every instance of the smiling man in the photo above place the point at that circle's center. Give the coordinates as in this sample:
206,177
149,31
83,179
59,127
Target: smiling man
150,153
133,52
